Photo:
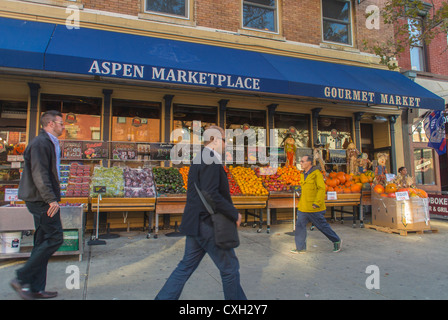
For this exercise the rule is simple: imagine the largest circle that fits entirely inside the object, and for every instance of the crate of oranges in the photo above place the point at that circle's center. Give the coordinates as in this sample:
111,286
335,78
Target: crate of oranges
247,180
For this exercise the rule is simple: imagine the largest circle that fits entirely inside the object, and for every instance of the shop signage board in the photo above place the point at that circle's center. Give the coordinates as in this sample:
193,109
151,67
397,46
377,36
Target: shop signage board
438,205
94,150
161,151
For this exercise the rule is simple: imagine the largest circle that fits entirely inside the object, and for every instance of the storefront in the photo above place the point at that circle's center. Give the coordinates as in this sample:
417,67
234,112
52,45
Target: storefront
120,107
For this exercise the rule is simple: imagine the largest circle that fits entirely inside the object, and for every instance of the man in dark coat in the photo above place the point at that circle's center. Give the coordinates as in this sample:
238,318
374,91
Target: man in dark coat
209,175
39,188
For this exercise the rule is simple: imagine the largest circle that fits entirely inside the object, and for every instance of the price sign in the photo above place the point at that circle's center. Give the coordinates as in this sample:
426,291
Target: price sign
332,195
11,194
71,150
404,195
99,189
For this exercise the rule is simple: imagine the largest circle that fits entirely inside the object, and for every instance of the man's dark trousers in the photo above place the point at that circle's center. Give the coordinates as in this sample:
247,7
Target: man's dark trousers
48,237
195,249
319,221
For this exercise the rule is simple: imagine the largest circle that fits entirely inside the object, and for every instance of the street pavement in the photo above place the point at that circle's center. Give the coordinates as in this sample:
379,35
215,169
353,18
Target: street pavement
372,265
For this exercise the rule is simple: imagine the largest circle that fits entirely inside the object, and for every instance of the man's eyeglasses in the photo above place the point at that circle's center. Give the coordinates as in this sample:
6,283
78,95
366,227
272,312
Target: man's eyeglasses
60,122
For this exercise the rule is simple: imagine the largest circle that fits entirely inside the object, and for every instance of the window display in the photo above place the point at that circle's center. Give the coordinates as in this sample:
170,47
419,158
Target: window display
82,115
424,166
135,121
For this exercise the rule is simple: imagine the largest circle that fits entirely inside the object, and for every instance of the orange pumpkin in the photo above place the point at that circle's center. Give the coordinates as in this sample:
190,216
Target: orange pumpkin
338,189
378,188
347,190
348,177
356,188
391,188
332,182
332,175
341,177
421,193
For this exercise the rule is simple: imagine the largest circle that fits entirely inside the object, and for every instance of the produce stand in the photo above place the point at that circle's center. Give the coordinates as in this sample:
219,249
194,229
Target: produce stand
278,200
168,204
258,203
146,205
18,218
345,200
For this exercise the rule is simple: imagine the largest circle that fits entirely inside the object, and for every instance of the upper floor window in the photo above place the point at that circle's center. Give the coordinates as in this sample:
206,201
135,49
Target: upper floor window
169,7
416,50
260,15
337,21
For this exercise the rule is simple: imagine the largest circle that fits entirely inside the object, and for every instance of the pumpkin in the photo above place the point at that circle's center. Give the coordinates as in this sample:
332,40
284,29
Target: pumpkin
348,177
364,178
421,193
391,188
384,195
338,189
331,182
356,188
332,175
347,190
341,177
330,188
378,188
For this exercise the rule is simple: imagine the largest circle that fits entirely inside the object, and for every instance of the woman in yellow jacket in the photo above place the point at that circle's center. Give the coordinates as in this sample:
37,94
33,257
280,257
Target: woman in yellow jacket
311,207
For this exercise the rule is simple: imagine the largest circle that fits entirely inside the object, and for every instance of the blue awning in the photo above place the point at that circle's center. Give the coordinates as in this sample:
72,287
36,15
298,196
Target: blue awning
120,55
23,43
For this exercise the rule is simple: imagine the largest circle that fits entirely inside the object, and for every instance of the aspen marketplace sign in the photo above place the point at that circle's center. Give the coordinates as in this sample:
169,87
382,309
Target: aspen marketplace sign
107,68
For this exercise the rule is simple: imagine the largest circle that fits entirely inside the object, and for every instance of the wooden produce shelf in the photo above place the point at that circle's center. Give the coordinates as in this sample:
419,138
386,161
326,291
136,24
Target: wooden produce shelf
345,199
168,204
123,204
249,202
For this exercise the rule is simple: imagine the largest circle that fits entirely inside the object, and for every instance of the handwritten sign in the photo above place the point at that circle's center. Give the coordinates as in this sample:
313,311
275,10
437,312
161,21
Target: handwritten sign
332,195
402,195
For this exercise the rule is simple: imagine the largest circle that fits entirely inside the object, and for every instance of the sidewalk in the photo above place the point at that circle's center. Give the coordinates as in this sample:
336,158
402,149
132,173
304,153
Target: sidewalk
135,268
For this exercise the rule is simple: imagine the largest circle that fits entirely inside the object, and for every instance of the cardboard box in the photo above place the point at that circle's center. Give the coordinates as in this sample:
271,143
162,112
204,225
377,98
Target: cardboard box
412,214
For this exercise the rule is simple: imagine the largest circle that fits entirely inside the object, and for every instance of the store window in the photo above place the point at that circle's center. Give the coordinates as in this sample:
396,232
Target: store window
12,142
81,115
424,171
135,121
260,15
185,116
295,124
334,134
172,7
418,132
337,25
247,119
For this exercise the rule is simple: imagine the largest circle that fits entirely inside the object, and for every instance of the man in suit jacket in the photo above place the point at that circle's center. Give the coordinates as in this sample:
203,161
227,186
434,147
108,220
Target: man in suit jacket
39,188
209,175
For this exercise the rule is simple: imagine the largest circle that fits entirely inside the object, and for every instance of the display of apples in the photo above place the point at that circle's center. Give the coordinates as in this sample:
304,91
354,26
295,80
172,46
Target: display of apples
138,183
234,188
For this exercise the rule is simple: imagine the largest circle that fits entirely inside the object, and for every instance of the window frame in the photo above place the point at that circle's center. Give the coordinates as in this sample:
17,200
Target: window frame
350,24
188,6
419,48
276,16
